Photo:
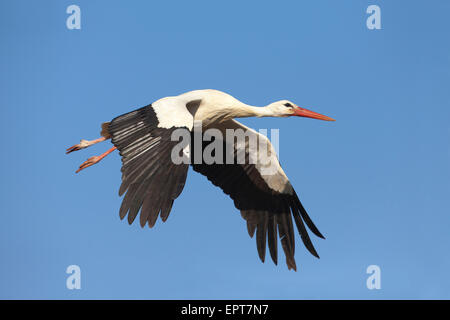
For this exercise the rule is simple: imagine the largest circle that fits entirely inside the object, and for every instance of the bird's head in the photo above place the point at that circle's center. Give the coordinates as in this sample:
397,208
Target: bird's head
285,108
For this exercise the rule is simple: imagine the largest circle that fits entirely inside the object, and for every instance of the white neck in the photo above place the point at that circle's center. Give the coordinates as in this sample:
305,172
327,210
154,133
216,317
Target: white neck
242,110
219,106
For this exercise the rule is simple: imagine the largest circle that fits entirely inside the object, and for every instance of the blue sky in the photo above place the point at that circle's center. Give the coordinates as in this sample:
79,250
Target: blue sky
376,182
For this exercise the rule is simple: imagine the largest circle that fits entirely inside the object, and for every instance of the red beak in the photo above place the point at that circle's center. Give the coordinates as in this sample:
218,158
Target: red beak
301,112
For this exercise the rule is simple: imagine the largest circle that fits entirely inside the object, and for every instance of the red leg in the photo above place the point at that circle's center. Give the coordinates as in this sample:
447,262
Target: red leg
93,160
84,144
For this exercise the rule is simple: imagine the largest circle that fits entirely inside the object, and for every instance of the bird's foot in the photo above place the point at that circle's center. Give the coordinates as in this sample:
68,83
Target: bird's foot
93,160
89,162
83,144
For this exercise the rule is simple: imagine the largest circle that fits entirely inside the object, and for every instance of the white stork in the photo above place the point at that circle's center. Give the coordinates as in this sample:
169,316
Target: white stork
152,181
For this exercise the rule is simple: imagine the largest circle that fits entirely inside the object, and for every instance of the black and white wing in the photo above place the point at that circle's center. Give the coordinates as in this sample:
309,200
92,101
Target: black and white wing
262,192
151,180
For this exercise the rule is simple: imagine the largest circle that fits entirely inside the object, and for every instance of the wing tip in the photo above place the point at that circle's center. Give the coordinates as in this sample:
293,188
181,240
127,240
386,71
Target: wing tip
317,233
291,264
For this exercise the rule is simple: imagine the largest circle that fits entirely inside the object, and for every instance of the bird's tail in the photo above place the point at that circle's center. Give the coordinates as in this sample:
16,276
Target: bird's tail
105,133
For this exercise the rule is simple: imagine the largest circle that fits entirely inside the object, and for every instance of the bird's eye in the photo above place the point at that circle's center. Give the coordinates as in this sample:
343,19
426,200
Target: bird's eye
288,105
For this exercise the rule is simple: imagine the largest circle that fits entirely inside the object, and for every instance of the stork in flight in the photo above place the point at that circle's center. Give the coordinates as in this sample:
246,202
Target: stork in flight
152,181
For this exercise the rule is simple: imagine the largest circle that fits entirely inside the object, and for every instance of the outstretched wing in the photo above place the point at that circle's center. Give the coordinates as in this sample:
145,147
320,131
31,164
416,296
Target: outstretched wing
261,191
151,180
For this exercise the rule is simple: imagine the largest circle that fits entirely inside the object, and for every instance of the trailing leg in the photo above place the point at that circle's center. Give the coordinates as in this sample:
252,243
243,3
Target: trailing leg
93,160
84,144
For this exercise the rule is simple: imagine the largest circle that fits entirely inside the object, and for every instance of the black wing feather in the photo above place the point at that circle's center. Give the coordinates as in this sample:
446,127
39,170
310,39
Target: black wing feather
150,179
266,211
